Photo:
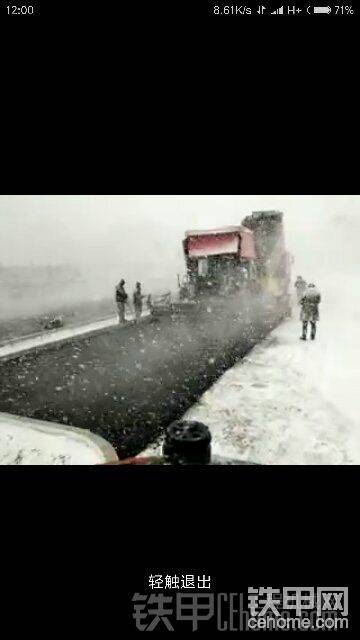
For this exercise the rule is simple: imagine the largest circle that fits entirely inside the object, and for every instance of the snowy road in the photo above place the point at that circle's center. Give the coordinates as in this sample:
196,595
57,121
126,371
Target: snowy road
56,335
271,408
289,401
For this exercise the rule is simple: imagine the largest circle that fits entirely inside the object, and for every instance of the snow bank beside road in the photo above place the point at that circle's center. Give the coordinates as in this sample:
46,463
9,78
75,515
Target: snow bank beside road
290,402
51,336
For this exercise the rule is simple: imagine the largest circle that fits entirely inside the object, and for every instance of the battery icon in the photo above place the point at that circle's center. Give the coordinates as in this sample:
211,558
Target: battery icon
322,9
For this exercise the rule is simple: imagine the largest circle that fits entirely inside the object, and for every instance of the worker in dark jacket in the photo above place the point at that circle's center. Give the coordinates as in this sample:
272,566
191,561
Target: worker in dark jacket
121,298
309,310
300,286
137,300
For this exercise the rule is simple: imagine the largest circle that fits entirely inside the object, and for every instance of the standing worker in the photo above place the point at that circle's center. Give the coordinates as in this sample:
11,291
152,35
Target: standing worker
121,298
300,286
137,300
309,310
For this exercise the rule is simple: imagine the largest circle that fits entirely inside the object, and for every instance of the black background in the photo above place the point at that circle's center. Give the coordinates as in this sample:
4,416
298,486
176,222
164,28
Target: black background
159,97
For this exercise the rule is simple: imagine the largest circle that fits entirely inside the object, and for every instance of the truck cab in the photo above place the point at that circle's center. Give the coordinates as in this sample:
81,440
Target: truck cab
218,260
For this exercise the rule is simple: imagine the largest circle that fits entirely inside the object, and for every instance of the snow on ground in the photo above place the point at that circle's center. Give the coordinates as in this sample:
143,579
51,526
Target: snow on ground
55,335
32,442
27,441
51,336
270,408
289,401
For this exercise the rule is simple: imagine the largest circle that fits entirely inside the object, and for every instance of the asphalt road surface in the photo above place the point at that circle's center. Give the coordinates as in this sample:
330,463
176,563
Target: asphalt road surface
128,383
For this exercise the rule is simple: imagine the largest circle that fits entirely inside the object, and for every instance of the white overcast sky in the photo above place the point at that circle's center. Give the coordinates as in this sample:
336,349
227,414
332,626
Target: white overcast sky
139,237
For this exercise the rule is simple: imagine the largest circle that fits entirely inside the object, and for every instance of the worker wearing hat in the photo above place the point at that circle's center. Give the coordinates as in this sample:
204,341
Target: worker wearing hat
121,298
309,302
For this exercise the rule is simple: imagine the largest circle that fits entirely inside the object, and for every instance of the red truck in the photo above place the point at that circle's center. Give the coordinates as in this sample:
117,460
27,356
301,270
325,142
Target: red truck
219,259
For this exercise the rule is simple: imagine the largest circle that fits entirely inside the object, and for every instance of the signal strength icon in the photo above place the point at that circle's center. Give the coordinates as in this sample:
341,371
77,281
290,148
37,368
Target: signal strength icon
279,11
